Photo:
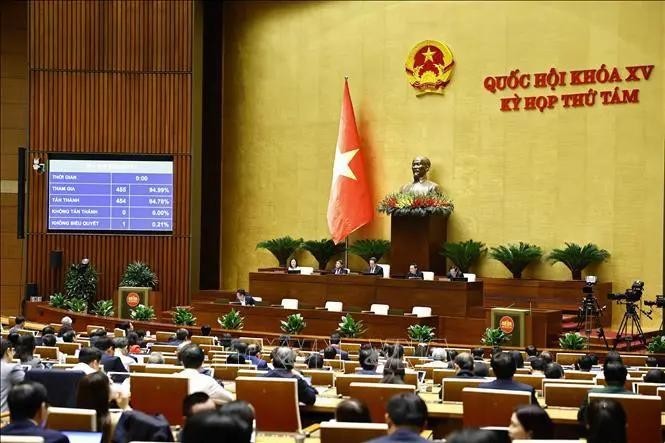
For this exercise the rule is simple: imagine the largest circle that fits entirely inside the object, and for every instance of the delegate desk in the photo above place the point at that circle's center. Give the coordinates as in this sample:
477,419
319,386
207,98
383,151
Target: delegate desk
319,321
446,298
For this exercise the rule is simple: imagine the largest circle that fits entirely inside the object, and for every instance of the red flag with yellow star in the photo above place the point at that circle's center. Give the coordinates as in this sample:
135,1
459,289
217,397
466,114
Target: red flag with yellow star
350,205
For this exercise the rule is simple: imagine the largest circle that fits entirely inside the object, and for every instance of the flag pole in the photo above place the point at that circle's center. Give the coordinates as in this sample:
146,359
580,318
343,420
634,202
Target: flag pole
346,251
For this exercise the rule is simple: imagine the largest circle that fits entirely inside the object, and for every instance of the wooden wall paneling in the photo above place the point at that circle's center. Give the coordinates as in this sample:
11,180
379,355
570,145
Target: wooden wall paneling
111,77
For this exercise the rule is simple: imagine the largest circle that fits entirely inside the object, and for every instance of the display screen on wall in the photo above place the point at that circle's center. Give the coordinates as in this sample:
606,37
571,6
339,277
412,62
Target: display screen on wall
110,193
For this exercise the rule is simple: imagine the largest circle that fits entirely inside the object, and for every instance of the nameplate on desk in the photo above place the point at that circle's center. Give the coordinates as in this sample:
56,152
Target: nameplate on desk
293,271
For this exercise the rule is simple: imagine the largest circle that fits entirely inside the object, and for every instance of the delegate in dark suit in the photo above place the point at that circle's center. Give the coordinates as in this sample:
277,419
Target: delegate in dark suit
505,366
510,385
400,435
376,270
28,427
112,363
418,275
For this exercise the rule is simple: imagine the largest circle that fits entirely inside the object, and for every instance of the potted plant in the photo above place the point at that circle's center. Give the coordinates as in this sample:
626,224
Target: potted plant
142,312
231,320
369,247
77,305
183,316
657,345
58,300
415,203
103,308
350,328
139,275
293,324
81,281
421,333
577,257
494,337
463,254
516,257
323,250
572,341
282,248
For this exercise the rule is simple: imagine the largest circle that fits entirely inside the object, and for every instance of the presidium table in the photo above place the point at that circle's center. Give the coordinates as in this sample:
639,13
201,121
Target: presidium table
457,306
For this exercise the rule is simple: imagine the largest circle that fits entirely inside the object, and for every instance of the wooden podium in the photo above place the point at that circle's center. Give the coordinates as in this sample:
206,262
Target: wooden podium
417,240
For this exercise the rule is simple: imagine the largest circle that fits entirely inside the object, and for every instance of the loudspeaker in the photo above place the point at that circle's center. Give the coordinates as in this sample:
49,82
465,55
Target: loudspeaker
20,210
55,258
31,290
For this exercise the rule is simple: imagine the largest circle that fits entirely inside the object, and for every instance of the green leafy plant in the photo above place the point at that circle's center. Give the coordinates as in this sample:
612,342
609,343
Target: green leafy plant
77,305
657,345
323,250
81,281
577,257
142,312
463,254
516,257
183,316
103,308
139,275
572,340
293,324
231,320
494,337
282,248
369,247
349,327
58,300
421,333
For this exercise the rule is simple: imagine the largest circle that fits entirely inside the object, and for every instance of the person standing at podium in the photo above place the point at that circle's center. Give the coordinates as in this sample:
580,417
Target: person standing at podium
414,272
339,268
374,269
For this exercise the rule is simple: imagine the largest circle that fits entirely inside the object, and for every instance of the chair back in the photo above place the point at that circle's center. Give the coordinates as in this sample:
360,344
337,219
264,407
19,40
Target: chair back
320,377
579,375
229,372
568,358
452,387
428,275
634,360
117,332
439,374
642,414
565,381
386,270
203,340
92,328
334,306
490,407
351,348
343,382
428,370
648,388
47,352
72,419
421,311
533,380
164,348
159,394
600,380
252,341
68,348
261,392
162,336
336,431
162,369
289,303
411,378
566,395
250,373
334,363
350,366
379,309
376,396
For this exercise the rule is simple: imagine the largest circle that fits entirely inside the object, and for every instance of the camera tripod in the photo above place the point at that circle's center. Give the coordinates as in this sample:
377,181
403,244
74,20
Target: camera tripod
631,316
589,317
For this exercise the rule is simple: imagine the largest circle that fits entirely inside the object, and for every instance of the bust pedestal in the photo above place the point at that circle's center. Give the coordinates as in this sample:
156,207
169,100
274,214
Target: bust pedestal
417,240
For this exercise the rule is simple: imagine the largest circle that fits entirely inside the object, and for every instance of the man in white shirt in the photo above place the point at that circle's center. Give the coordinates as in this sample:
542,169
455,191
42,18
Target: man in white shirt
89,361
192,358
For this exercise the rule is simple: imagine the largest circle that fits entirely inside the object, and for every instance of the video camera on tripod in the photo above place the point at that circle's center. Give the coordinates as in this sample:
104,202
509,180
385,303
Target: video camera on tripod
632,295
659,302
590,313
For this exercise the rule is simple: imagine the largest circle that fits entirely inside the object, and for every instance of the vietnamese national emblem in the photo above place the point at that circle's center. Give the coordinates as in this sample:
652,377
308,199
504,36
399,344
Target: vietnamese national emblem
429,67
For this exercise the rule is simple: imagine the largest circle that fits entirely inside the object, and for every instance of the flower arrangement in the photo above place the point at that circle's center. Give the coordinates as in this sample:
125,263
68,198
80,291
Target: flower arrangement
413,203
